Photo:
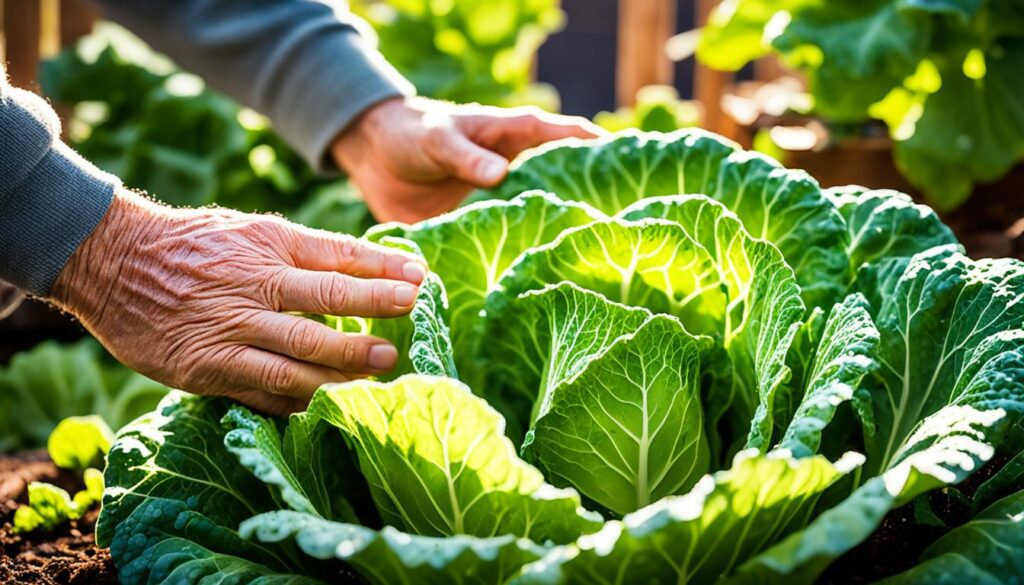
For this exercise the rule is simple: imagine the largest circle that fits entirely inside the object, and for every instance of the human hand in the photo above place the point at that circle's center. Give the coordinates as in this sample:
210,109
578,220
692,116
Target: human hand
415,158
193,298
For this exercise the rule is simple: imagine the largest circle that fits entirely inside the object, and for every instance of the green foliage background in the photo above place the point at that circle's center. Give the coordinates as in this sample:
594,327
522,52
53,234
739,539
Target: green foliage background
945,76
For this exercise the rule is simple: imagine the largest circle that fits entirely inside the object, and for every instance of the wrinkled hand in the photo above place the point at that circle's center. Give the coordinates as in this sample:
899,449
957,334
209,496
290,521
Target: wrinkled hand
195,299
414,158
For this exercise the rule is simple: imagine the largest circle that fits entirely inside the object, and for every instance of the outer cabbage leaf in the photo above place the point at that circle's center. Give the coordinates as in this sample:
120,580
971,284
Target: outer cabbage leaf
952,378
801,557
174,497
886,224
785,207
388,556
177,496
628,429
178,449
950,335
938,415
163,541
845,356
700,537
438,463
310,450
471,247
1009,477
949,446
987,550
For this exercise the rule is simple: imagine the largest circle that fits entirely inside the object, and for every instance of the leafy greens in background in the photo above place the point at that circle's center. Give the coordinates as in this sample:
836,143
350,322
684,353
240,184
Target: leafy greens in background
648,358
944,76
53,381
658,108
79,444
467,50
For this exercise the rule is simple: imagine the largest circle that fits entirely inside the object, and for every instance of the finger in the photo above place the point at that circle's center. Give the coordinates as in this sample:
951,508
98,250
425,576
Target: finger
324,251
509,132
280,375
543,127
309,341
330,293
459,156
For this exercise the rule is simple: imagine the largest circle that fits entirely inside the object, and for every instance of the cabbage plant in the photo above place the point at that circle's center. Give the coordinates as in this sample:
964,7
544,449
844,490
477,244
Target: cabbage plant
650,358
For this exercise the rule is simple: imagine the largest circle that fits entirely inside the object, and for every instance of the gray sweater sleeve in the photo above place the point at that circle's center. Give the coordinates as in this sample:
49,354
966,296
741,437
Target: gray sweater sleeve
50,198
303,63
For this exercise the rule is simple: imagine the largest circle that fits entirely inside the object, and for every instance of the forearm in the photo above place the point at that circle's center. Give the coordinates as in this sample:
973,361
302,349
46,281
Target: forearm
84,284
301,62
50,198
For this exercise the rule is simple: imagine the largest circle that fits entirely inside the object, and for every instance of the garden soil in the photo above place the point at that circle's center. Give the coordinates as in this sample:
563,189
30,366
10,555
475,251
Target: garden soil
991,223
66,555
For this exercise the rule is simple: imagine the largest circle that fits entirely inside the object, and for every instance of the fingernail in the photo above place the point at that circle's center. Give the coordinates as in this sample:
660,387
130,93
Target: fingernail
414,272
492,170
382,357
404,295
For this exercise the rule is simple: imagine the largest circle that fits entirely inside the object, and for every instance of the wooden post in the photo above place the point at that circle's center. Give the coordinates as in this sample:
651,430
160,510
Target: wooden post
76,20
22,20
708,84
3,42
644,28
49,28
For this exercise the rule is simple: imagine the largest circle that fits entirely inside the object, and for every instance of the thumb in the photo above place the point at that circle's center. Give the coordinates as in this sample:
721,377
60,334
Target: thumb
463,159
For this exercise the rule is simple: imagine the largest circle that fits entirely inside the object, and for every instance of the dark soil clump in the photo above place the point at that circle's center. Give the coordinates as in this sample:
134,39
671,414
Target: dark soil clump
991,223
